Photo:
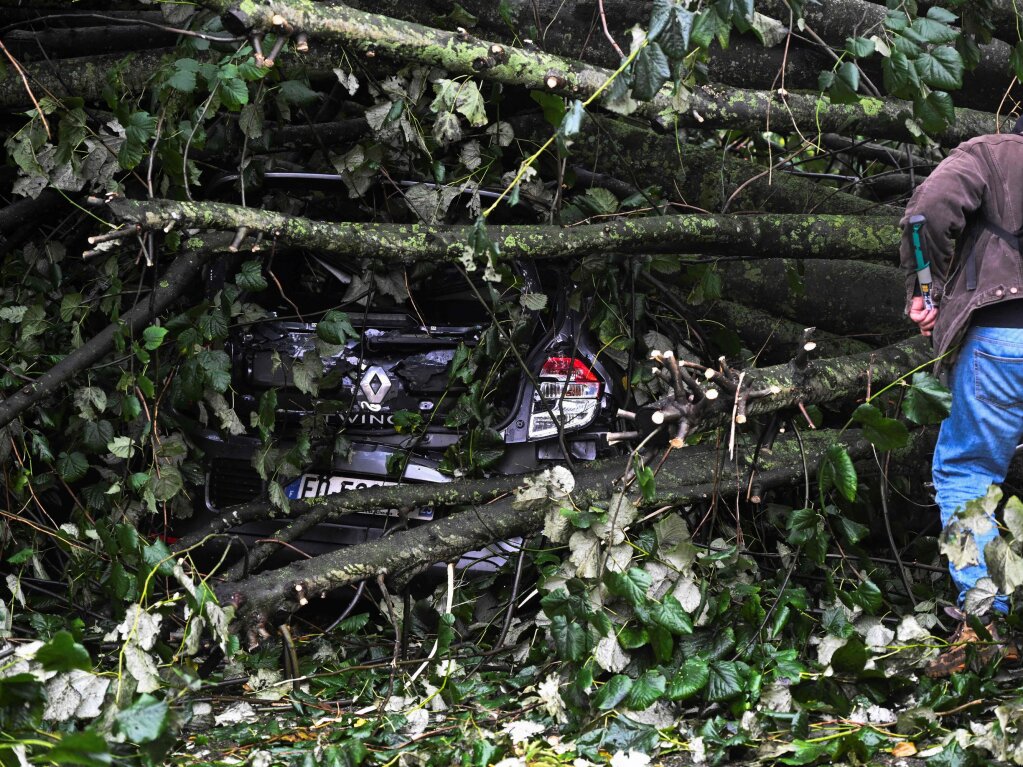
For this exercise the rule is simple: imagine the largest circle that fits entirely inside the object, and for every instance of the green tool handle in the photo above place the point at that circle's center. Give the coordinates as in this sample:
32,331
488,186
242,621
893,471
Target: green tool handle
923,268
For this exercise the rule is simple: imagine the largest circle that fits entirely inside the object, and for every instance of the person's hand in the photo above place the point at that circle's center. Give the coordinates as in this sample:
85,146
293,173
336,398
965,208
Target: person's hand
924,318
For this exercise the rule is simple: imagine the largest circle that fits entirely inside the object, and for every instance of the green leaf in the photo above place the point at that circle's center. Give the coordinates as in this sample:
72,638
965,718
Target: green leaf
168,483
674,40
140,127
297,92
851,657
724,681
612,692
867,595
335,328
645,691
660,12
534,302
82,748
1005,565
152,337
900,76
927,400
882,432
183,75
158,558
251,120
571,640
661,642
145,720
689,680
233,92
250,277
941,68
854,532
859,46
837,470
932,31
1012,515
935,111
122,447
1016,60
670,615
446,128
212,325
942,15
553,107
632,637
572,122
803,525
652,70
632,585
63,653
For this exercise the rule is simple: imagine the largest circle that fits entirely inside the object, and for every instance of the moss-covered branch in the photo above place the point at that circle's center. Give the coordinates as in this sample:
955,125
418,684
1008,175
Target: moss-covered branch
374,35
689,475
754,236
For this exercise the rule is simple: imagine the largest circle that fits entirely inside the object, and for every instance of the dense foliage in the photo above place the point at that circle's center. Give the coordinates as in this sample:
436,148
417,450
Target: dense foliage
781,611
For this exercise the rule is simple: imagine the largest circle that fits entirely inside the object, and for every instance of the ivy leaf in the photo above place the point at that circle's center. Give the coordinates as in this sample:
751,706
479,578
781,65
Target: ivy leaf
652,70
645,691
689,680
935,111
1005,565
632,585
63,653
335,328
613,692
724,681
900,76
867,595
942,15
933,31
674,40
145,720
941,68
927,400
570,638
1013,517
859,47
837,470
803,526
882,432
1016,60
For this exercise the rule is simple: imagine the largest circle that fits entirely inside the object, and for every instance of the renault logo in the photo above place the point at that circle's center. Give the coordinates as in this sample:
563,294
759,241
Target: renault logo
375,385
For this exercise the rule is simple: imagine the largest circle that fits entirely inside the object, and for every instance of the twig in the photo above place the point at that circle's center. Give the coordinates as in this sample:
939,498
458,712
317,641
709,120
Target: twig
607,32
28,90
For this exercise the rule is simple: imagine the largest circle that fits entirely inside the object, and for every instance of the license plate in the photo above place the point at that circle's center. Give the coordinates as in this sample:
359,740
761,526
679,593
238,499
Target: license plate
319,485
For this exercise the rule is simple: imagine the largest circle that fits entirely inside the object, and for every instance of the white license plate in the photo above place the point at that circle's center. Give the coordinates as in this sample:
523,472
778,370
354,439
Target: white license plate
319,485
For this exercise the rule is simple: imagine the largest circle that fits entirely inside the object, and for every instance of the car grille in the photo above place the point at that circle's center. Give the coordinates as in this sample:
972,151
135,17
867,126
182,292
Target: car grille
231,481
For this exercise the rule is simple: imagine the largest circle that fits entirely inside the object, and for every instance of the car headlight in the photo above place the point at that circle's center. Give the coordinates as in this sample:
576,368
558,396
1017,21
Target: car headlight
568,395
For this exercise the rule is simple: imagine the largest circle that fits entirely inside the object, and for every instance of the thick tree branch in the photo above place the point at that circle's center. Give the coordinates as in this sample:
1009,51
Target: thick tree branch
706,106
173,283
754,236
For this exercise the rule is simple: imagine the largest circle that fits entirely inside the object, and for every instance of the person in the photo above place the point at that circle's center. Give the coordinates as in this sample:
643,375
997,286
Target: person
972,204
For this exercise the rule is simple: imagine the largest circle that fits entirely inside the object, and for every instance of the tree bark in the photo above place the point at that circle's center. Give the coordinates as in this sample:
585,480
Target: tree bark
860,300
772,338
706,106
687,476
753,236
85,41
705,178
174,282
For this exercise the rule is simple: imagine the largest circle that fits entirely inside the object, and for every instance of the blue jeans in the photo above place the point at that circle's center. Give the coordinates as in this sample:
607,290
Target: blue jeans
978,439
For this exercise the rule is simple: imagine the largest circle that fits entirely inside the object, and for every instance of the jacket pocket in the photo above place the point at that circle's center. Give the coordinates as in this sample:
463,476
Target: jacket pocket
998,380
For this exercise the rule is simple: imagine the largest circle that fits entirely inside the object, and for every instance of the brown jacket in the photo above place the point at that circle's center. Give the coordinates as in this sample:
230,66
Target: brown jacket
984,174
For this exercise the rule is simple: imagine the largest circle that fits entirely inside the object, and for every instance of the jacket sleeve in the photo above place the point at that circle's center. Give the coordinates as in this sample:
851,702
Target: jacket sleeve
946,198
